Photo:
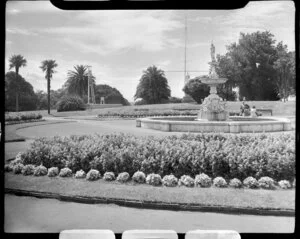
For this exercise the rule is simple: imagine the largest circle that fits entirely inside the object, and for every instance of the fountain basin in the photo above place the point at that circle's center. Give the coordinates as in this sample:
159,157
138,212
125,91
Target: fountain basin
235,124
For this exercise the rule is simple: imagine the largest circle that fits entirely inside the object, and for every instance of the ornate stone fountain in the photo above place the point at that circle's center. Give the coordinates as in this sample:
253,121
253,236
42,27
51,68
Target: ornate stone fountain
213,107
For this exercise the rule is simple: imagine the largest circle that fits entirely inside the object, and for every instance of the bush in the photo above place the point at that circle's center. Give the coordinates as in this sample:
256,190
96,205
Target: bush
123,177
139,177
93,175
65,172
52,172
8,168
40,171
266,183
109,176
70,103
28,169
284,184
80,174
235,183
170,181
9,117
17,169
186,180
250,182
18,159
153,179
228,156
203,180
219,182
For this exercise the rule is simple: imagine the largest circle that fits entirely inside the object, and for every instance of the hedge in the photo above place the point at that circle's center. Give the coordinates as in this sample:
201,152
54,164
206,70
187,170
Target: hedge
22,117
217,155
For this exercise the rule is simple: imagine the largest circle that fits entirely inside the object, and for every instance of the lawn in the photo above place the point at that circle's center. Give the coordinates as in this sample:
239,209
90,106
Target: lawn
12,136
228,197
279,108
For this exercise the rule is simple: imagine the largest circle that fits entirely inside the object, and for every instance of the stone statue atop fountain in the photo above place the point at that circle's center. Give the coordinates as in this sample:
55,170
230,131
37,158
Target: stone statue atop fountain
213,107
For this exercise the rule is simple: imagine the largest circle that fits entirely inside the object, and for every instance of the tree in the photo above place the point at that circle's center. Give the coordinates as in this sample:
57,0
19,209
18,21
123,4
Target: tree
285,68
197,90
252,65
153,86
27,97
77,82
110,94
17,61
48,67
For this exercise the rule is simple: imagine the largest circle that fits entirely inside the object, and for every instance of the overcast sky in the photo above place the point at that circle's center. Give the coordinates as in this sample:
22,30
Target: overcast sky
119,45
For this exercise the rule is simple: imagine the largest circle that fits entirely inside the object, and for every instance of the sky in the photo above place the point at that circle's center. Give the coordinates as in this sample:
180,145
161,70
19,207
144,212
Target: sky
121,44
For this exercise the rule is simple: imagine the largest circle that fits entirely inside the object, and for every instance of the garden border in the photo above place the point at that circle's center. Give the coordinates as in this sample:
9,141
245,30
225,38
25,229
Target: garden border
153,205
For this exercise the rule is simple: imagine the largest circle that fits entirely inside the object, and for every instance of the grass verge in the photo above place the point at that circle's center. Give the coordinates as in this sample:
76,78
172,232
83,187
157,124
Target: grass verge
12,136
222,197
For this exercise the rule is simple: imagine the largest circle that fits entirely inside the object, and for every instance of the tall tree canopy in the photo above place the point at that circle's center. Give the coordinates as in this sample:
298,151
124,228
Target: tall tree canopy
27,96
77,82
153,86
48,67
251,61
17,61
285,69
111,95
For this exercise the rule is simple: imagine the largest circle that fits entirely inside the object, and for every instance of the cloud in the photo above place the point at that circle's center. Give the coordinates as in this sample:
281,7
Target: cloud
105,32
20,31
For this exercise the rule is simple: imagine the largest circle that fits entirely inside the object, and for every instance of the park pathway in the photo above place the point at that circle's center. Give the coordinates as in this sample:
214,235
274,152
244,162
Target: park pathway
29,214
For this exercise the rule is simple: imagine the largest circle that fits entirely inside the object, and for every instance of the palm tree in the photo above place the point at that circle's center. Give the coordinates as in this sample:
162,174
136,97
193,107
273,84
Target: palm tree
48,66
153,86
17,61
77,82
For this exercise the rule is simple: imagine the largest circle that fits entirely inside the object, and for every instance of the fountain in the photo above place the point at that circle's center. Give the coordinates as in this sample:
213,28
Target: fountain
213,116
213,108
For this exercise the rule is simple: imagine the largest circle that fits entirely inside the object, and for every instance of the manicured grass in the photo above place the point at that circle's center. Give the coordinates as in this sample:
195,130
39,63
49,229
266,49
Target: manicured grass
278,107
250,198
12,136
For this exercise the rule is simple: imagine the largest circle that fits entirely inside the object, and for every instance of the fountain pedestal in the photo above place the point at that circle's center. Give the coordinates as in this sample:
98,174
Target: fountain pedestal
213,107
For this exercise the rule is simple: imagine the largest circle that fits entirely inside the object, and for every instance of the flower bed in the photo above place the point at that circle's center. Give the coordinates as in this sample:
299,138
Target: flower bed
227,156
13,118
147,113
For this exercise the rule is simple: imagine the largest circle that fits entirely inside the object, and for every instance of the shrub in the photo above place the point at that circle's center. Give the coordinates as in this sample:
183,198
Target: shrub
250,182
229,156
123,177
18,159
284,184
17,169
266,183
70,103
52,172
93,175
219,182
203,180
80,174
40,171
109,176
153,179
139,177
186,180
235,183
65,172
28,169
170,181
8,168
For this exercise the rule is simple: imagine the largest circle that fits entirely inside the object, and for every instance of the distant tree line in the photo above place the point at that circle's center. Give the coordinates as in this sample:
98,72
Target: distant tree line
20,95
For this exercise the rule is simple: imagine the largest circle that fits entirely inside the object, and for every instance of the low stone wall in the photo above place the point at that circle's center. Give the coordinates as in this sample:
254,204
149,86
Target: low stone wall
264,124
